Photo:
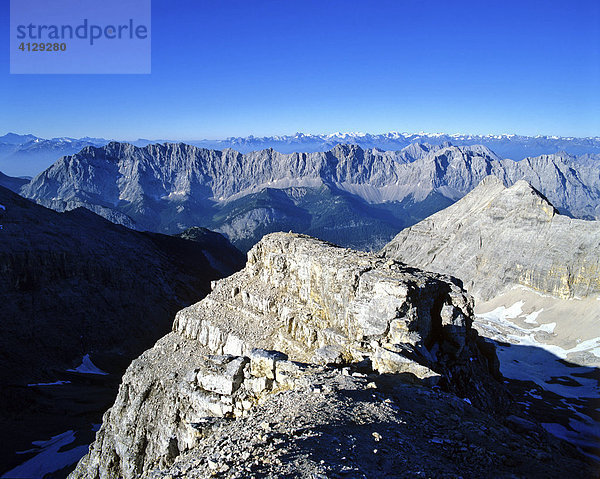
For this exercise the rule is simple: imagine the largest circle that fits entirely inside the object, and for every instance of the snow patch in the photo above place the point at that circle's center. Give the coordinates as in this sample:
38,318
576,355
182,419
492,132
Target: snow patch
50,458
88,367
547,328
56,383
502,313
532,318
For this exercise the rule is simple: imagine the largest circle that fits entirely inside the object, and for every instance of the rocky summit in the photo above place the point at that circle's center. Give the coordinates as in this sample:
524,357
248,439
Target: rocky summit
496,238
319,361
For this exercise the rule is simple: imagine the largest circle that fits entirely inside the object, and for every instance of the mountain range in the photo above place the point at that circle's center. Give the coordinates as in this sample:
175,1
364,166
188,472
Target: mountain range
28,155
343,314
353,197
510,146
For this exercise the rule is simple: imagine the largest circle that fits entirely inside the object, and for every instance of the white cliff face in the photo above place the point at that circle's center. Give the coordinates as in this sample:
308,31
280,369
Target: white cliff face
496,238
299,303
171,187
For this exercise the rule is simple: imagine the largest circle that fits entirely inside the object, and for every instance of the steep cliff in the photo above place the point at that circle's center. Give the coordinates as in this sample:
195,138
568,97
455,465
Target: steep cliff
299,305
496,238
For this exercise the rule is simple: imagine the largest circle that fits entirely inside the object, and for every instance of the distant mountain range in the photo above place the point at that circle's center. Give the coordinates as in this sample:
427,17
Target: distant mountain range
350,196
27,155
515,147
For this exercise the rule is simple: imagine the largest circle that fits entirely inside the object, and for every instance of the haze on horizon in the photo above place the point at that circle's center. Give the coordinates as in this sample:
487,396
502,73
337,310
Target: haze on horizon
267,68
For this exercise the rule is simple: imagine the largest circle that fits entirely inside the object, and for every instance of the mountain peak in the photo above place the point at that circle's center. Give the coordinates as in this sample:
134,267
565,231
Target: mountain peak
496,238
516,199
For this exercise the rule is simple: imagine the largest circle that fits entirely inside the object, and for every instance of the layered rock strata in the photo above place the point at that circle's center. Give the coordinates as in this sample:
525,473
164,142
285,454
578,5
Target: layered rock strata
496,238
298,304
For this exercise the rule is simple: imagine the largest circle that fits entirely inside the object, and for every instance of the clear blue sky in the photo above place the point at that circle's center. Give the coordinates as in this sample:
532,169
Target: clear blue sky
262,67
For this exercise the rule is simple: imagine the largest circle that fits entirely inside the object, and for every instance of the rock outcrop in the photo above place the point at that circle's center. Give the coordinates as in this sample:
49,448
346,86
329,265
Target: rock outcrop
354,197
496,238
300,306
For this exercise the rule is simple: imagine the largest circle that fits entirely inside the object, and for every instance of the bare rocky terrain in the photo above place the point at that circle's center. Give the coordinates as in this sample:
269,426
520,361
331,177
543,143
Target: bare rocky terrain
319,361
340,426
535,276
496,238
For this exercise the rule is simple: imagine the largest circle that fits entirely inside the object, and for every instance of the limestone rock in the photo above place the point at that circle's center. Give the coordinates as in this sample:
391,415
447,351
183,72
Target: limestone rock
263,363
296,297
328,355
496,238
222,374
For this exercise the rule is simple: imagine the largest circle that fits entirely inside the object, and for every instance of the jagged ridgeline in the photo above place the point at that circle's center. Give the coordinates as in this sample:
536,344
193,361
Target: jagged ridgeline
35,154
312,362
350,196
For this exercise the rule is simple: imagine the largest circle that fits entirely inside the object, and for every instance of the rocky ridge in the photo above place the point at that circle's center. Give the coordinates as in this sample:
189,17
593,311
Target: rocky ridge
28,155
496,238
304,319
535,275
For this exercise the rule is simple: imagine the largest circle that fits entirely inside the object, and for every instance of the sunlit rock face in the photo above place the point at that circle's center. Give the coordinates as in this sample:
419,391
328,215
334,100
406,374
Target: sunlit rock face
496,238
298,306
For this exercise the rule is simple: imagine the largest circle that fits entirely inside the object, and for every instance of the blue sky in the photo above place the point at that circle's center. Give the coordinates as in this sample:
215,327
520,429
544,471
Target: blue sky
263,67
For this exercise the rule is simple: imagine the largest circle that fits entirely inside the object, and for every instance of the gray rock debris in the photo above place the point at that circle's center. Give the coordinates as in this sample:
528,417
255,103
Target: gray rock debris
396,430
